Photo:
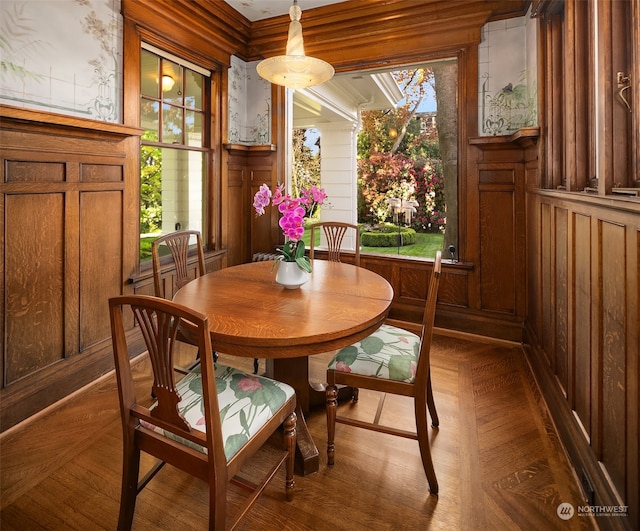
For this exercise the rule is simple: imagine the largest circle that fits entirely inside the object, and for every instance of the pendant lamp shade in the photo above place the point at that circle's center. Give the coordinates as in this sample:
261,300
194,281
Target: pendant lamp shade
295,70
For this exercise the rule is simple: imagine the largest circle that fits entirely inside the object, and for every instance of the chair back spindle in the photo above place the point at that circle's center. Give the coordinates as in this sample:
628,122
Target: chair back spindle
178,244
334,232
160,332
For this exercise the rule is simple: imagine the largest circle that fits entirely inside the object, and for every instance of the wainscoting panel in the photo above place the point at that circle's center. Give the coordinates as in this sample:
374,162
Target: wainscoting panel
588,292
34,290
561,306
614,364
581,288
69,189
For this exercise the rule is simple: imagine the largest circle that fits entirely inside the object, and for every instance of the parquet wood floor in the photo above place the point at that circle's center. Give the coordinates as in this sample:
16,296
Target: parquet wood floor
498,460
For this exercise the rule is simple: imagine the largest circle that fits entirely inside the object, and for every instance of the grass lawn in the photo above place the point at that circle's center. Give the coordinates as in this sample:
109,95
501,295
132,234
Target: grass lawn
145,247
425,247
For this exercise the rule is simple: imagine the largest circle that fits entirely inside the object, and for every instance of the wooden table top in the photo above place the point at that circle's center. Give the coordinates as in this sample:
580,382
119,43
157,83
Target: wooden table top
250,315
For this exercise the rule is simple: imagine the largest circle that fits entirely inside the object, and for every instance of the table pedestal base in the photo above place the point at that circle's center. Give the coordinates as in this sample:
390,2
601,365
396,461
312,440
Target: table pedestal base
295,372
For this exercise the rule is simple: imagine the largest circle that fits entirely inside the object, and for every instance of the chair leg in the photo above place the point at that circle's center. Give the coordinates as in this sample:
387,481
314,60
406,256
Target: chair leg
256,365
129,489
435,421
332,406
217,503
290,444
423,440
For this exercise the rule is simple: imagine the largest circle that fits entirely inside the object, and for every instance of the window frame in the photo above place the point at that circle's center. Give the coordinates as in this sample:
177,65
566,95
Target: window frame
592,143
211,122
466,96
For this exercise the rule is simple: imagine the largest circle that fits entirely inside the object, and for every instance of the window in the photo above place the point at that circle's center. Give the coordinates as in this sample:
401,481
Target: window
173,115
592,116
399,127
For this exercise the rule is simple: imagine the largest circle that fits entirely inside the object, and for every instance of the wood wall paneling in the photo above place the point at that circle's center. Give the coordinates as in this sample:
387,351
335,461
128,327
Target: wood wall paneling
547,290
561,294
361,32
497,251
65,209
582,319
612,379
101,236
246,169
412,284
261,172
237,198
496,210
34,283
588,291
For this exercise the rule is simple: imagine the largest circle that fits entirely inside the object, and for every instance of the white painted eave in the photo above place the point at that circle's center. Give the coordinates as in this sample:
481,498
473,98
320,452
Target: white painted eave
341,98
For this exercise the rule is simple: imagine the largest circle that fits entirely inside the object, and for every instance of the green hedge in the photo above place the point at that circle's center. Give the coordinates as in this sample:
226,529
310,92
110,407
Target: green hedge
387,236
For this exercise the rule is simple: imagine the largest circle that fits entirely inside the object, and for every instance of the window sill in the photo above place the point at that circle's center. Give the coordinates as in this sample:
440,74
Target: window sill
615,201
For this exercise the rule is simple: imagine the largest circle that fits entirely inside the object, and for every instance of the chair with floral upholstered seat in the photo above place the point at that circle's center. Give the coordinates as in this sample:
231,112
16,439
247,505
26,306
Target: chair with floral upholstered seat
391,360
174,249
334,232
208,424
178,245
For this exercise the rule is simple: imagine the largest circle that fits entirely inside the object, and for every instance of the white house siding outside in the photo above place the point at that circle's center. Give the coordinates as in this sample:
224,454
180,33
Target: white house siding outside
338,175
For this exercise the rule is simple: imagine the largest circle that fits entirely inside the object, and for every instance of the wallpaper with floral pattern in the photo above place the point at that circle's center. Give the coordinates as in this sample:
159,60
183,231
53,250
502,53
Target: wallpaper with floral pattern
507,91
62,56
249,104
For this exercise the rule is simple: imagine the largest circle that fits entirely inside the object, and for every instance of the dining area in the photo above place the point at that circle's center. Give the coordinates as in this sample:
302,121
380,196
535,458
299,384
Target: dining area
248,383
252,311
326,359
252,316
377,482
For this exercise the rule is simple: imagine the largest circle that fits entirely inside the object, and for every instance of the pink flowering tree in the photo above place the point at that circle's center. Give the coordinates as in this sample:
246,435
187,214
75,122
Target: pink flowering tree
385,175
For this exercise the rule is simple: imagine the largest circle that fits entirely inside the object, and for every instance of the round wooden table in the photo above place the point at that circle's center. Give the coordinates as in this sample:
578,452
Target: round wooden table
251,315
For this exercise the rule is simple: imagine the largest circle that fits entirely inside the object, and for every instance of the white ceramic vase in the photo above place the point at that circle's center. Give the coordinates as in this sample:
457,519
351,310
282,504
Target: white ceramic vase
290,275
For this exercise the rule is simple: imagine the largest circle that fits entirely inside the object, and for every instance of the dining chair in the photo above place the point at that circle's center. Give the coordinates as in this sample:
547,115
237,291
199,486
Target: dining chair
335,232
391,360
208,424
178,243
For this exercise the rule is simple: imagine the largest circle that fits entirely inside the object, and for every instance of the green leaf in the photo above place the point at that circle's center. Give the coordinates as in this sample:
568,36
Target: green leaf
243,420
234,443
372,345
400,368
300,249
223,412
196,386
347,354
304,263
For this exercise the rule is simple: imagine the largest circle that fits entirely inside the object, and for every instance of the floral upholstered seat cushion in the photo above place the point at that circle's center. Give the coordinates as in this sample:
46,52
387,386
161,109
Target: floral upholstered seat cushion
390,353
246,401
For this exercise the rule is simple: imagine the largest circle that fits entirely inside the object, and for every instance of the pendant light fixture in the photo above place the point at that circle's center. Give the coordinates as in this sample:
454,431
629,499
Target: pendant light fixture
295,70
